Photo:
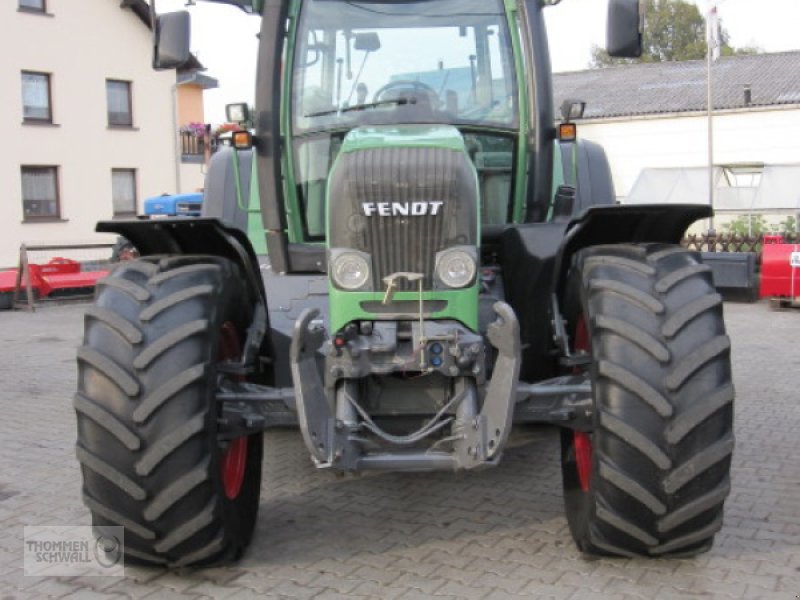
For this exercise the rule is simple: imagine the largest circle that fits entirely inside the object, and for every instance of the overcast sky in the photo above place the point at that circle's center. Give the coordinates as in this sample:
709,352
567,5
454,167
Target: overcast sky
224,39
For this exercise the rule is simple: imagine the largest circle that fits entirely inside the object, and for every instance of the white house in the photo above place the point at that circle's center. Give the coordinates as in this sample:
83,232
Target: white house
89,129
651,119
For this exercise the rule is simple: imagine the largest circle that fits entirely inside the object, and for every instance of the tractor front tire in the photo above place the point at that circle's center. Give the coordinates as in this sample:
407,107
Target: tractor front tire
651,476
148,442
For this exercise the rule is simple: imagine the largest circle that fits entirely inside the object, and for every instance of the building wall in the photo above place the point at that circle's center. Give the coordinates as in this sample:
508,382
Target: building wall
192,177
191,110
190,104
758,135
80,45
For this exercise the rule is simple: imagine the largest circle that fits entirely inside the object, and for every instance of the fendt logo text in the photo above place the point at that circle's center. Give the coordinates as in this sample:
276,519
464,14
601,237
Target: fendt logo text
401,209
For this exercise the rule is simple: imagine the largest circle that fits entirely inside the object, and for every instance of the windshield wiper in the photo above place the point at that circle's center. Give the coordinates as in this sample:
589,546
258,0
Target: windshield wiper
398,101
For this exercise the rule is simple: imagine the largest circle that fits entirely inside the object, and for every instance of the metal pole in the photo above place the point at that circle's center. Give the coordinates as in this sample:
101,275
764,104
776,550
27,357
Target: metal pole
710,126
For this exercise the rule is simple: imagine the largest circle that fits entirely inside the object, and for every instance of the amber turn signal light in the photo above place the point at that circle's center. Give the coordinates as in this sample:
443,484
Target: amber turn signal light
567,132
242,140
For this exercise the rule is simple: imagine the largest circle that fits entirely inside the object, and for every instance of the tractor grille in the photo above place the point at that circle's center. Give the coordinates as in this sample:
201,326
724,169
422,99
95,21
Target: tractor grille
393,181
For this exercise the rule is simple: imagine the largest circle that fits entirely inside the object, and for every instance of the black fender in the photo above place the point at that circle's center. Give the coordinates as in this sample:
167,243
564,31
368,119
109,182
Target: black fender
536,259
182,235
590,174
624,224
220,200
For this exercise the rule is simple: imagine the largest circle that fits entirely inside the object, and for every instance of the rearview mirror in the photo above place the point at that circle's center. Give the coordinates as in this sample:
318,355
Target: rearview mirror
172,38
624,33
368,42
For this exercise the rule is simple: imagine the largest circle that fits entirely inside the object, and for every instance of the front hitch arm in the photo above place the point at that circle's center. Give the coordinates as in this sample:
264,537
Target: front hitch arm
314,413
484,440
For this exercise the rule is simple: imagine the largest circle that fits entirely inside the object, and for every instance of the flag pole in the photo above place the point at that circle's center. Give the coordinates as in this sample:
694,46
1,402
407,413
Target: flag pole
711,23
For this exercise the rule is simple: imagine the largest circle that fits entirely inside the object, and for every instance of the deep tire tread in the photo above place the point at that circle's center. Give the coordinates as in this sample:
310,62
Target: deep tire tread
675,277
697,360
635,335
202,554
631,487
168,444
619,263
629,293
155,309
107,421
168,341
695,507
663,425
110,473
686,315
623,525
699,463
110,370
135,291
167,275
147,420
153,401
116,518
631,382
187,529
695,415
176,491
112,320
636,439
145,267
697,536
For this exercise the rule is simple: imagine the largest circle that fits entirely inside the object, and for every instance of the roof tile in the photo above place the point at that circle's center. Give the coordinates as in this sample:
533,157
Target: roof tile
675,87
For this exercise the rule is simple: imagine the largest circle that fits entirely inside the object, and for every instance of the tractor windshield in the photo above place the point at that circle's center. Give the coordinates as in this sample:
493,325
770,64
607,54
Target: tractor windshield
424,61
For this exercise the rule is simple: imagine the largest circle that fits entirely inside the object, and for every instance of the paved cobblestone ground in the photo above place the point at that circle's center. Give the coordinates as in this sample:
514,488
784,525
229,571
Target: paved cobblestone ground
495,534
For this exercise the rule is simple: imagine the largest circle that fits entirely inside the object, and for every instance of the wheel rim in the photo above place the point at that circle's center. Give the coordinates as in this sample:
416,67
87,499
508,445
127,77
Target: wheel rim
582,441
128,254
234,458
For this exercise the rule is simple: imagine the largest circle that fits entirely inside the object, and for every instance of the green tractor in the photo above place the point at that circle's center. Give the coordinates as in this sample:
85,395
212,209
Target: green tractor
405,260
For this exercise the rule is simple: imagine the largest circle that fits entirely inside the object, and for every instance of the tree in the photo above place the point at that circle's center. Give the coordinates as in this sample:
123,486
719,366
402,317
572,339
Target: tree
674,30
747,225
789,225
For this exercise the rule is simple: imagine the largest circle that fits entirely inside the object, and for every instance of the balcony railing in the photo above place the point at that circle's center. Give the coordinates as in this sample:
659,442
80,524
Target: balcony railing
193,146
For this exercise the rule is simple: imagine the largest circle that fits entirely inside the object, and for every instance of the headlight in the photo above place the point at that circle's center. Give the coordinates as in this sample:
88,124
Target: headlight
456,268
350,271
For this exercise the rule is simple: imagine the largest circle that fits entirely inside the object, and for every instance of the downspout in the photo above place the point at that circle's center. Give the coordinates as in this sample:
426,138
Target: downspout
177,146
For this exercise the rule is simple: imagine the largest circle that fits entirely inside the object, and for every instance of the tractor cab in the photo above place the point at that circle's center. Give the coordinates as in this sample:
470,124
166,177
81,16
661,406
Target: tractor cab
385,66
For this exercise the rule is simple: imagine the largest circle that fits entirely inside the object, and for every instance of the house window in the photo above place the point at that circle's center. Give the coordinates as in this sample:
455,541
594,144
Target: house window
118,95
123,192
40,193
33,5
36,97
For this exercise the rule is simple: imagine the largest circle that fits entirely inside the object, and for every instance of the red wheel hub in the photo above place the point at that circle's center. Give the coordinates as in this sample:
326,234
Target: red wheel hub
233,463
582,441
234,459
582,341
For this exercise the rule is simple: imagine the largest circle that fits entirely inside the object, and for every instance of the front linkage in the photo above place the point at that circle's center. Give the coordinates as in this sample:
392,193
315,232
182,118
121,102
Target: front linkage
333,422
